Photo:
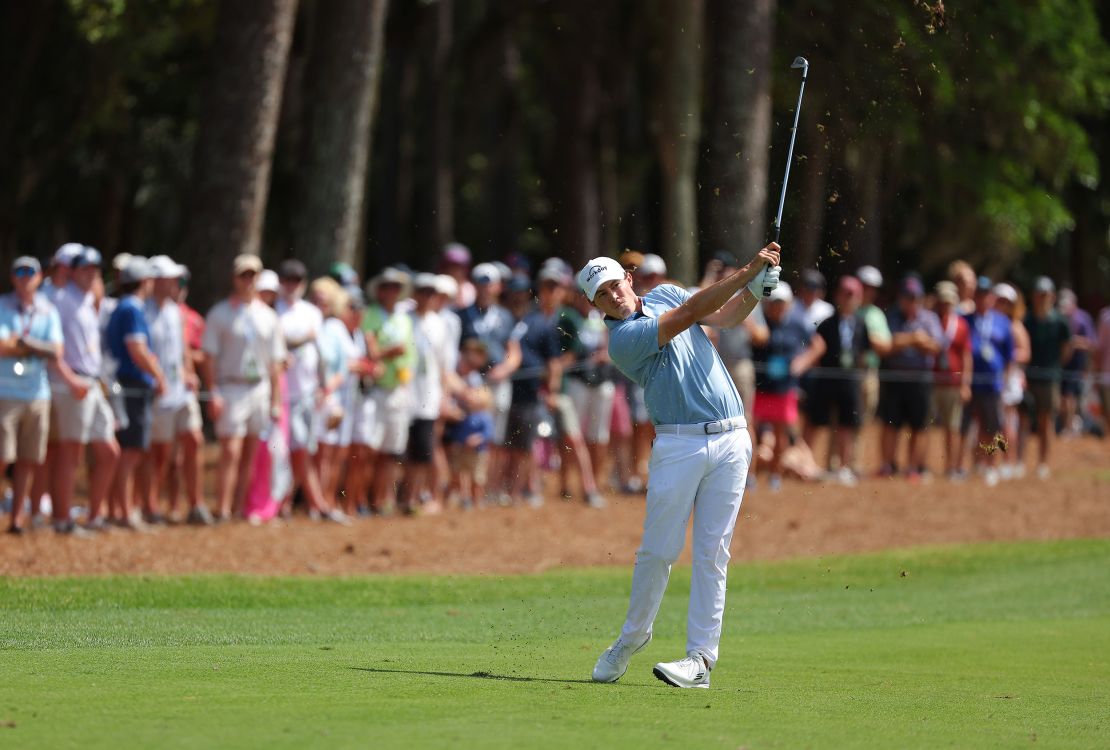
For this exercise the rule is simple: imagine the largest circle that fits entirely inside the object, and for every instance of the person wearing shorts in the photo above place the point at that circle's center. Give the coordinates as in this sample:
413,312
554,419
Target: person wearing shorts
835,399
301,323
430,338
387,408
80,413
905,391
779,336
992,352
30,341
140,378
952,374
1050,347
176,422
244,356
589,386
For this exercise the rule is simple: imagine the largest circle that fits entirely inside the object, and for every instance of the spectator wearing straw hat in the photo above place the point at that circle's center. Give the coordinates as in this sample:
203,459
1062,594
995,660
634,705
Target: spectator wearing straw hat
245,353
387,407
30,340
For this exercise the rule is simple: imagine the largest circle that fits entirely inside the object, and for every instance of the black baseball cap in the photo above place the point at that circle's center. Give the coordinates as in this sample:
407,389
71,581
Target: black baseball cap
292,268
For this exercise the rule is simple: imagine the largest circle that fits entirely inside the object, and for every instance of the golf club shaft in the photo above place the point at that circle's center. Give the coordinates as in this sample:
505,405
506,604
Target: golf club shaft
790,155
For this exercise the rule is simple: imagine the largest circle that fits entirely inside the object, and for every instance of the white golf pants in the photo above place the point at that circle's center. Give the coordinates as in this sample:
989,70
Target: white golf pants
704,474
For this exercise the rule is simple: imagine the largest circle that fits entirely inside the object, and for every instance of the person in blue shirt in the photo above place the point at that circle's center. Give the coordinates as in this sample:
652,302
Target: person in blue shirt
139,375
702,449
992,351
30,341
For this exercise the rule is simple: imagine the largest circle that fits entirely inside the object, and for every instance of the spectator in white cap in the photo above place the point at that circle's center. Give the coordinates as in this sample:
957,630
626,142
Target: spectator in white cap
776,343
492,324
140,378
651,272
245,355
268,286
1010,303
30,340
60,265
80,413
878,336
176,423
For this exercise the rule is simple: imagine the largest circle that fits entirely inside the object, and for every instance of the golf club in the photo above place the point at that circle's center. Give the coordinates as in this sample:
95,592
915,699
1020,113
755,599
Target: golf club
799,62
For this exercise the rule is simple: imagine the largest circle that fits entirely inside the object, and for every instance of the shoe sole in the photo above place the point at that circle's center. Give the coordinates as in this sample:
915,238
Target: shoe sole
662,676
622,674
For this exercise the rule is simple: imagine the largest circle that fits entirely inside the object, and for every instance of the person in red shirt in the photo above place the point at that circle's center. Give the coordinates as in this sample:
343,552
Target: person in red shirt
951,373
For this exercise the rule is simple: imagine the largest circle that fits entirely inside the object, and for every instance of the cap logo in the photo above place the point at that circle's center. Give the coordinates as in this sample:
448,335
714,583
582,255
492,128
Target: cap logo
594,271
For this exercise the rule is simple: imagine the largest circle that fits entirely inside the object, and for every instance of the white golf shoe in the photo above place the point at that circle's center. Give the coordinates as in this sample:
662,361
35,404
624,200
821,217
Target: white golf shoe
690,672
612,664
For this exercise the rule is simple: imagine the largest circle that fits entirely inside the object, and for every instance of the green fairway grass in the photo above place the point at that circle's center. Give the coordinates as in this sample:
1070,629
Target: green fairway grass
978,646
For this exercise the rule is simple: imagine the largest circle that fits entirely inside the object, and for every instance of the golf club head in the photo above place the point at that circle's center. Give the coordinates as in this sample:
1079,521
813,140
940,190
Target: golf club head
801,62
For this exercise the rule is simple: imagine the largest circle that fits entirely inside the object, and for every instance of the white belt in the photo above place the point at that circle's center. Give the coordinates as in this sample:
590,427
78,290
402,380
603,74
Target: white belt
702,428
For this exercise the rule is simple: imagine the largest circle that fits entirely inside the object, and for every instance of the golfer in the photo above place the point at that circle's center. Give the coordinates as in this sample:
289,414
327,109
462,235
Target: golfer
701,455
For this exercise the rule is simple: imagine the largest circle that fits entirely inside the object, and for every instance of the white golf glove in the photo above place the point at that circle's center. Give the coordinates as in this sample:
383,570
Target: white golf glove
765,281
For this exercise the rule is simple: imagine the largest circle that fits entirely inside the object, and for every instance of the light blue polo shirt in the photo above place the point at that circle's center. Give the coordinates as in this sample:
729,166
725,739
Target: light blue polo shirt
24,379
685,382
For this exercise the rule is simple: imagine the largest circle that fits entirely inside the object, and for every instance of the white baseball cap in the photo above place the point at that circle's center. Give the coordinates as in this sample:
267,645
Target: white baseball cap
137,269
781,293
597,272
65,254
447,285
425,281
652,264
485,273
870,276
267,281
1006,292
163,267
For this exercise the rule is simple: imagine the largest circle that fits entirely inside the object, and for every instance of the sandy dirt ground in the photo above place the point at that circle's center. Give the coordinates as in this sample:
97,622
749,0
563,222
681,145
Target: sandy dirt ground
804,519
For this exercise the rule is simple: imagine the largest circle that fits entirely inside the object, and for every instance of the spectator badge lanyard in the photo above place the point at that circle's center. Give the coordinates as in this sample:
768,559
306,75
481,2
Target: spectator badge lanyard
250,363
28,320
986,346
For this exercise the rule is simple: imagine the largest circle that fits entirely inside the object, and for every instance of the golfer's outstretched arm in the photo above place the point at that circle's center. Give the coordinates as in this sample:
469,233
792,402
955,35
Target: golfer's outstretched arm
713,298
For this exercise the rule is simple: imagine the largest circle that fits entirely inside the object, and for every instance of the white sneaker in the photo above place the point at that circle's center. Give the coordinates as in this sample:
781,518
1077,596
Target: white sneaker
990,476
612,664
690,672
846,477
1019,471
1006,472
1043,472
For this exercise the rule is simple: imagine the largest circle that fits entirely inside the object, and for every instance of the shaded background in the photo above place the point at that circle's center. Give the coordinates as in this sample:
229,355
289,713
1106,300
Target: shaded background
375,131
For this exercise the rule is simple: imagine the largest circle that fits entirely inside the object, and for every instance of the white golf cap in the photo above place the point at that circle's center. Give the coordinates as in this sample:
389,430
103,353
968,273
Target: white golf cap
485,273
65,254
446,284
267,281
121,261
425,281
137,269
1006,292
870,276
597,272
781,293
652,265
163,267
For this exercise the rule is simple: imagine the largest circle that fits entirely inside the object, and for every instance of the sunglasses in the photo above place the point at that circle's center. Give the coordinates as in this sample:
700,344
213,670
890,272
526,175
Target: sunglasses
24,272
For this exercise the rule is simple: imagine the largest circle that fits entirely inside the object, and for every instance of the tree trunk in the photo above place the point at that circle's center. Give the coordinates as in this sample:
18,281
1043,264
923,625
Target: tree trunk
341,84
734,180
803,245
442,125
235,142
678,132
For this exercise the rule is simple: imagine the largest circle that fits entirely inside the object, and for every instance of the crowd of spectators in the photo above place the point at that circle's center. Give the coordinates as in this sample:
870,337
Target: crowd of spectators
458,387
